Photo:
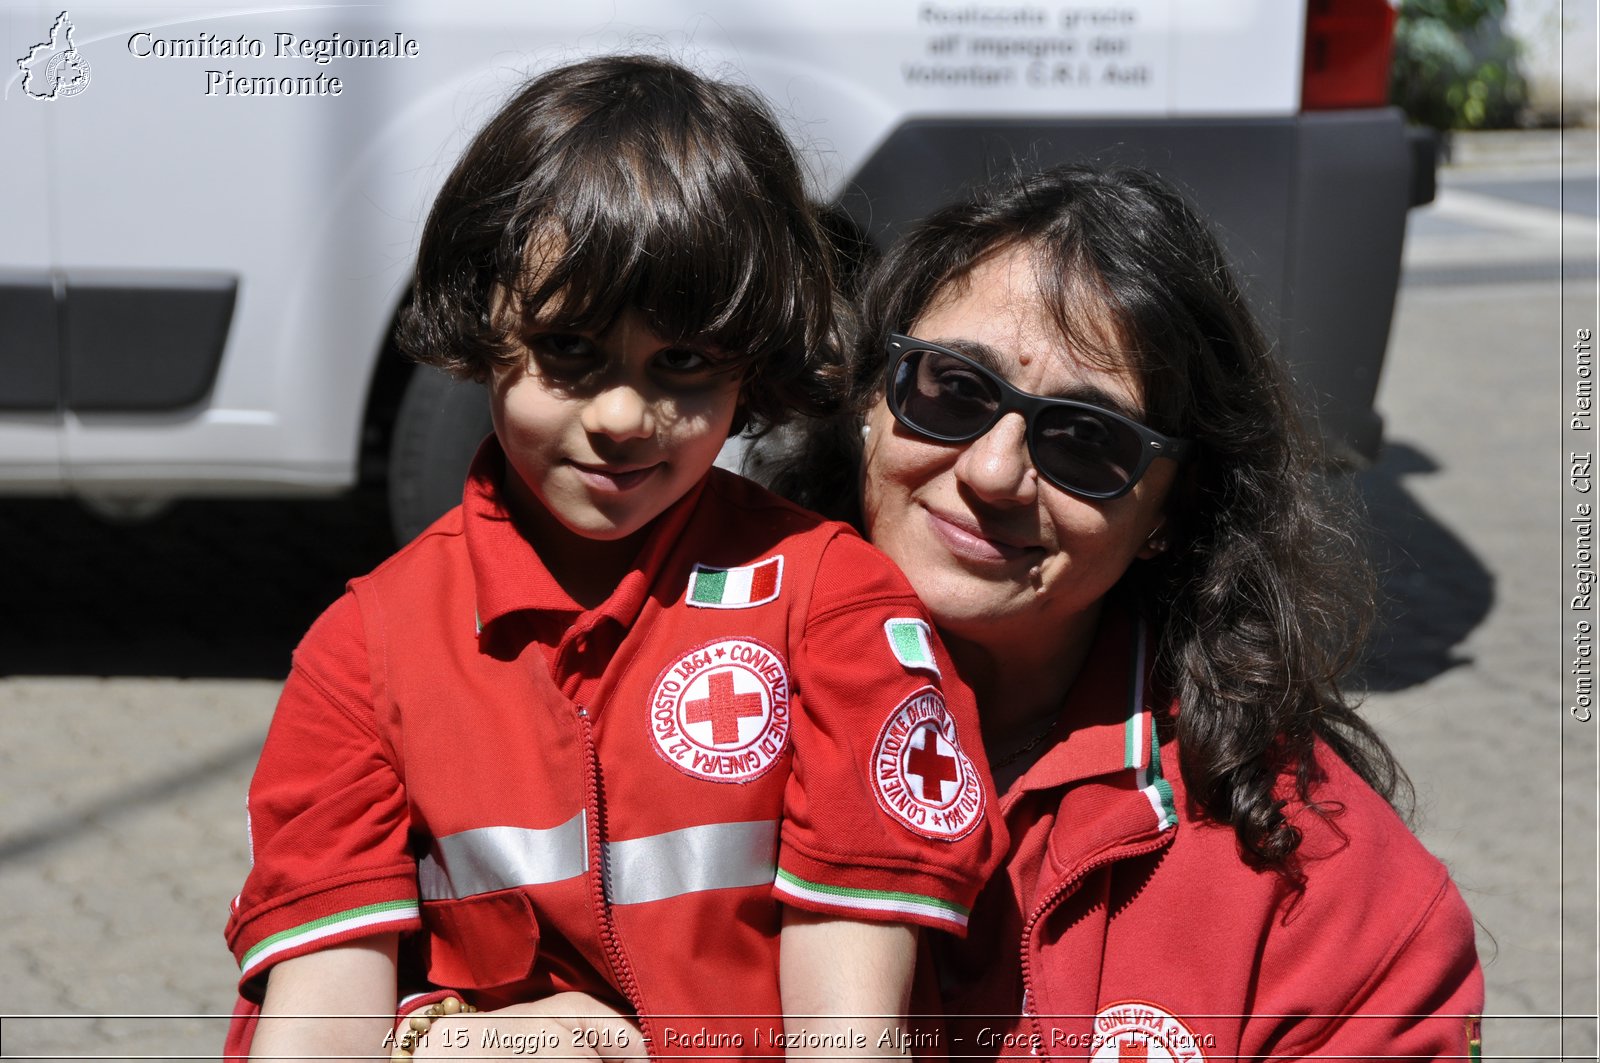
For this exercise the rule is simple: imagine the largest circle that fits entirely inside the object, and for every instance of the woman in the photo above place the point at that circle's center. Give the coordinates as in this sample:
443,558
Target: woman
1075,442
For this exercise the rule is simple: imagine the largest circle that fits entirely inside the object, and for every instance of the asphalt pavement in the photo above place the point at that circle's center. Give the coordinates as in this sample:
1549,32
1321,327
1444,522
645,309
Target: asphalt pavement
1467,500
140,665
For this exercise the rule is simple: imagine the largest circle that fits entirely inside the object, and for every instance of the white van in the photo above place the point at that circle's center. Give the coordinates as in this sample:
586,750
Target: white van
209,212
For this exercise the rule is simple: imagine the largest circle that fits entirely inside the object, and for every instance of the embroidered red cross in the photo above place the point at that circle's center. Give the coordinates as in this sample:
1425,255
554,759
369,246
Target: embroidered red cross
723,708
932,765
1133,1048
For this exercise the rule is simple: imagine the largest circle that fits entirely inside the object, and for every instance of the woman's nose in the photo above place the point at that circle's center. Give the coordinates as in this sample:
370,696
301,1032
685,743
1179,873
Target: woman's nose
620,413
997,467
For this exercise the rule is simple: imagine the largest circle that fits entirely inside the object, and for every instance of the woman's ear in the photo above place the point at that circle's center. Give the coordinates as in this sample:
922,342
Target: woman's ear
1156,543
1175,523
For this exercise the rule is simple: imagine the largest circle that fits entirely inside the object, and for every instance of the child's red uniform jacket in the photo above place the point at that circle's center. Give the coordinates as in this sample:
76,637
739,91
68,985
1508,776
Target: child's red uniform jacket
541,798
1125,928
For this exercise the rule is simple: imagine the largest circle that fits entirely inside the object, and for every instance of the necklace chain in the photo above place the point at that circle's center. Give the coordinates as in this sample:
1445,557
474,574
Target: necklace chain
1016,754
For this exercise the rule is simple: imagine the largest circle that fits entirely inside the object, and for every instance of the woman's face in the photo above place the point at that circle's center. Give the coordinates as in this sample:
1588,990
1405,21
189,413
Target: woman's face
997,554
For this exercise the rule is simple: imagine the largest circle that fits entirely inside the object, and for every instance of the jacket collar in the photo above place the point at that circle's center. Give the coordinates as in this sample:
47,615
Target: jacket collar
509,575
1106,732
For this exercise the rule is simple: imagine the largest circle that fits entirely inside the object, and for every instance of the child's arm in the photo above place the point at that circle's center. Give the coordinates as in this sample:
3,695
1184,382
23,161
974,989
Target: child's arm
844,977
338,1002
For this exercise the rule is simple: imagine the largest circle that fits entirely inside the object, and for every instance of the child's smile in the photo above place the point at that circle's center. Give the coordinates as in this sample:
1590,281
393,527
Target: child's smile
615,478
604,431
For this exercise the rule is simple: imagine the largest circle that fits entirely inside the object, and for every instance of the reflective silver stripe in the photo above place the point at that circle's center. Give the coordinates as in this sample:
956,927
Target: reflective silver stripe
715,856
497,858
709,857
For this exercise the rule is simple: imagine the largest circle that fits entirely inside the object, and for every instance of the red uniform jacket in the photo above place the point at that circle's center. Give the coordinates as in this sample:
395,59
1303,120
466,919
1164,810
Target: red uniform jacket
616,800
1126,928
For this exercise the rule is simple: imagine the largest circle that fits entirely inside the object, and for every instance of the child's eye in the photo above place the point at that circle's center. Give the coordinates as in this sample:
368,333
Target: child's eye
564,347
683,360
565,356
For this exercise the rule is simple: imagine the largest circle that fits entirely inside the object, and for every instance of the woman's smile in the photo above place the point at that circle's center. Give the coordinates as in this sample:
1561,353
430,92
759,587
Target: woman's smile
967,538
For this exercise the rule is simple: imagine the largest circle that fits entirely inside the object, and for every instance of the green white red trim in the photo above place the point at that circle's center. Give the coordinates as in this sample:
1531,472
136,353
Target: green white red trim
1142,748
1158,791
877,901
1136,743
912,643
363,918
735,588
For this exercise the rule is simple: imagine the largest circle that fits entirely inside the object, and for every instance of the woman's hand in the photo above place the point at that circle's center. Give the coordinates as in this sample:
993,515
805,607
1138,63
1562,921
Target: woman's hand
567,1026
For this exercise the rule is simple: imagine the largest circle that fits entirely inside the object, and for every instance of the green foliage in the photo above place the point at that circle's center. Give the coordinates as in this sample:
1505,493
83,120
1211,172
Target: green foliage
1454,67
1454,14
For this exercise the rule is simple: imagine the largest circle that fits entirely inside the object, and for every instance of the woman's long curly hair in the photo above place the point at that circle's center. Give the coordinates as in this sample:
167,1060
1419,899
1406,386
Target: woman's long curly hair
1264,598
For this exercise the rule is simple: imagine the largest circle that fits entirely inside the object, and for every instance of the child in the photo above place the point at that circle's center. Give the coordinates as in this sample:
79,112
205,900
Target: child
587,732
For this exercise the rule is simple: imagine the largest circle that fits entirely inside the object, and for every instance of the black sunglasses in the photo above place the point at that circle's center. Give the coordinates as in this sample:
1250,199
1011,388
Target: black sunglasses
1089,451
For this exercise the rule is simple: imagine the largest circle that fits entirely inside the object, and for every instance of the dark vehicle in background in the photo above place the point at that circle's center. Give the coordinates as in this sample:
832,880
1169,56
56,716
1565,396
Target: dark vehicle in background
206,249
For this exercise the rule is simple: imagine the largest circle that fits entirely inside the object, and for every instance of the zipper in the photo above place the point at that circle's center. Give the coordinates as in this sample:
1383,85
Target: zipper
1063,888
621,970
563,673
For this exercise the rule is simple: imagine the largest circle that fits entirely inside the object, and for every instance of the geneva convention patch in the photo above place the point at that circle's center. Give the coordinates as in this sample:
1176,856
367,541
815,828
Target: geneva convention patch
721,712
923,777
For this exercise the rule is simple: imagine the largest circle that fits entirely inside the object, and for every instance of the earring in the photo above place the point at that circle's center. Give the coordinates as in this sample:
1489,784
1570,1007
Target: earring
1156,541
866,430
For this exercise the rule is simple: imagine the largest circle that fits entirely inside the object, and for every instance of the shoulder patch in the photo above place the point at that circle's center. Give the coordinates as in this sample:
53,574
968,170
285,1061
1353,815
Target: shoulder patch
721,712
735,588
1133,1029
922,776
912,643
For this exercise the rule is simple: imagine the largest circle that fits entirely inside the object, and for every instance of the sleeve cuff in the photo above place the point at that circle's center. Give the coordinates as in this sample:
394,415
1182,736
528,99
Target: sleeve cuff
321,921
877,895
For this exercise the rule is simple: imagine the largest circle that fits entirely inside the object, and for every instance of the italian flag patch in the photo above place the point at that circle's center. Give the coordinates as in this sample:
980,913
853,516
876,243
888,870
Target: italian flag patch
735,588
912,643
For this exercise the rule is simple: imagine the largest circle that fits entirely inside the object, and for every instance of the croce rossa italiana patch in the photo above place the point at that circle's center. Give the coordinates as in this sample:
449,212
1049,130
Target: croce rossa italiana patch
720,712
921,775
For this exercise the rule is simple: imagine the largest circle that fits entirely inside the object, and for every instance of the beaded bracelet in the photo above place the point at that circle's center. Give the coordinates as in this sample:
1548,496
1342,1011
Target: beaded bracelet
421,1022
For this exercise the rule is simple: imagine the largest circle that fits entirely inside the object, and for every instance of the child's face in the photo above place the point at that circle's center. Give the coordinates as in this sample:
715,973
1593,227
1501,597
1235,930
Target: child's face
605,431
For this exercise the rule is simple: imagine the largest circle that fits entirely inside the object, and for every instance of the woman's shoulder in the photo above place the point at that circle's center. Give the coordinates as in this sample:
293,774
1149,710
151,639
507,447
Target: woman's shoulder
1373,946
1373,911
835,555
1347,828
734,501
730,490
1368,889
1357,860
1379,916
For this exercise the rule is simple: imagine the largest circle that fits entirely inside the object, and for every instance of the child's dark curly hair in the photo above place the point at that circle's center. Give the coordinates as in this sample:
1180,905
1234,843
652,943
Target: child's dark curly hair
631,183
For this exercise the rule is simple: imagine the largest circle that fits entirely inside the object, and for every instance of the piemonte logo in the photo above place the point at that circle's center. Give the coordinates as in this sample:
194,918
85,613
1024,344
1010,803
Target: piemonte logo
54,69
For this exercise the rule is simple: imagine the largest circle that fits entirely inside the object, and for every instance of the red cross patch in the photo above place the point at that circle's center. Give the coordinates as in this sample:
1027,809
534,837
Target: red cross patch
1134,1030
923,778
721,712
